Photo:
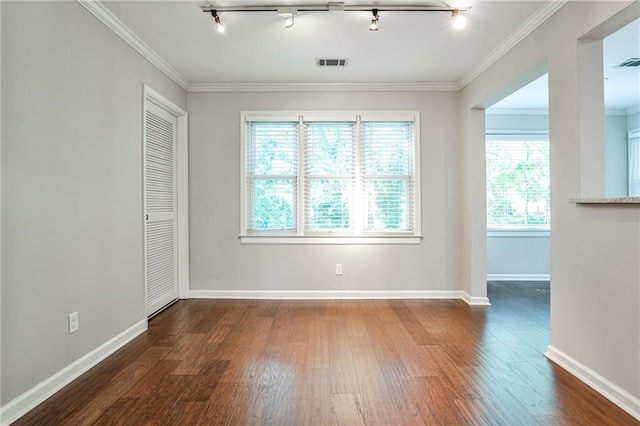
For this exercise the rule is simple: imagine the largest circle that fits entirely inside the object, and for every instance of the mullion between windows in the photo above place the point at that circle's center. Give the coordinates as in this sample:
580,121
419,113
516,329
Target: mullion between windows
358,204
300,201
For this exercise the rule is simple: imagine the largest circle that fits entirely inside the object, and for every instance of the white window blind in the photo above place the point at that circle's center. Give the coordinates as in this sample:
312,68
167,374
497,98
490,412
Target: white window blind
330,175
329,151
387,174
518,181
634,164
272,175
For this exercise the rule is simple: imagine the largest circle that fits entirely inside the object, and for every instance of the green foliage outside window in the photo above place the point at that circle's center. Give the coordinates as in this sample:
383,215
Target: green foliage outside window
518,183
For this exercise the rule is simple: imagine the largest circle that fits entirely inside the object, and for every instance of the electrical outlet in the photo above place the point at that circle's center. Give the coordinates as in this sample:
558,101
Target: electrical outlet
73,322
338,268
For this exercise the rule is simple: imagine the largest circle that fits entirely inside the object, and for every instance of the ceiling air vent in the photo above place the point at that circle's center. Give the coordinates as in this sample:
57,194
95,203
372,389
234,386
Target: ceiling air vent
631,62
332,62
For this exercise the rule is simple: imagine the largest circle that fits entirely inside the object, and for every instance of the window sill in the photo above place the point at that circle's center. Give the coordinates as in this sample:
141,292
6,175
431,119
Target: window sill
336,240
518,232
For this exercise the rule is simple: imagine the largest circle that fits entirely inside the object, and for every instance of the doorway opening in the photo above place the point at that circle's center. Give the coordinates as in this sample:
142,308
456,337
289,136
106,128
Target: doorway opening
518,177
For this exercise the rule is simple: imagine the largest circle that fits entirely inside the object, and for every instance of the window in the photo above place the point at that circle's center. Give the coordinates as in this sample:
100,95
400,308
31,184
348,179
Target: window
518,181
634,163
327,177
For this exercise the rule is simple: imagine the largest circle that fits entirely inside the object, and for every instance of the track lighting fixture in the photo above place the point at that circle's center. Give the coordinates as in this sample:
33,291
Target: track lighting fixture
219,25
375,22
288,13
459,21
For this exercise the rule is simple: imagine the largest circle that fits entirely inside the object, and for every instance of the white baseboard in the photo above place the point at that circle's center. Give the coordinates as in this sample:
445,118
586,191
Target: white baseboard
474,300
612,392
21,405
310,295
518,277
330,295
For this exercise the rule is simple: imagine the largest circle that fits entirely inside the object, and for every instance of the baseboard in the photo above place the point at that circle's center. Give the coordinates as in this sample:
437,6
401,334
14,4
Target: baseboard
474,300
518,277
310,295
21,405
612,392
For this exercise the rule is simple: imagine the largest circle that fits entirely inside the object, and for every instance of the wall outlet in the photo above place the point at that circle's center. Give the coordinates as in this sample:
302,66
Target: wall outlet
73,322
338,268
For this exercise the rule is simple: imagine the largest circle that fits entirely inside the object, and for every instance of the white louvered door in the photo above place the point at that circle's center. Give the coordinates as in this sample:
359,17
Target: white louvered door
161,270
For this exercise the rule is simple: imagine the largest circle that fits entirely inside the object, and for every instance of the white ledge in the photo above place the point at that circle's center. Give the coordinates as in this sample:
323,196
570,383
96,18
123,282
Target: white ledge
295,239
518,232
607,200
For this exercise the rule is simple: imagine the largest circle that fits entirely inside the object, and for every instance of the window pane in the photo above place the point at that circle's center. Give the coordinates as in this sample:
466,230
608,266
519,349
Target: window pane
330,204
330,148
272,148
387,148
329,175
518,184
387,166
387,203
273,204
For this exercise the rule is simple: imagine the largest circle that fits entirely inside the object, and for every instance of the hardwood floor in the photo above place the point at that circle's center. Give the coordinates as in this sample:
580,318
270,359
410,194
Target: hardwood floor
395,362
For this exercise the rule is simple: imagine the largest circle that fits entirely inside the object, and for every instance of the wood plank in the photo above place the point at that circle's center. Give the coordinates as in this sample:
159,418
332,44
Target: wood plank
378,362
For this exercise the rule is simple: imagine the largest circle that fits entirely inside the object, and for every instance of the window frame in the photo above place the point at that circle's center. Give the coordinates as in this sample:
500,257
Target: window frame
358,235
631,168
518,230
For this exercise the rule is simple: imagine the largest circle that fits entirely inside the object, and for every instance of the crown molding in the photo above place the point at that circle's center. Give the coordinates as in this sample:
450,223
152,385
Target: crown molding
98,10
537,19
316,87
517,111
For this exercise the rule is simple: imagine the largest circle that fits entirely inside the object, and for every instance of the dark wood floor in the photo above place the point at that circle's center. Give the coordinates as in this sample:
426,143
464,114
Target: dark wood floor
337,362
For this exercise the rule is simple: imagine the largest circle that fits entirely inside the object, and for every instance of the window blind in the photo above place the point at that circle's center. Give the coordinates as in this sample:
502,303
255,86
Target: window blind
329,164
272,169
518,181
387,175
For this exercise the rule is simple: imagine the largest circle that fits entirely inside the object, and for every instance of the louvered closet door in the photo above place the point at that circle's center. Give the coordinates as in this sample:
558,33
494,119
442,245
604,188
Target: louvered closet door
160,205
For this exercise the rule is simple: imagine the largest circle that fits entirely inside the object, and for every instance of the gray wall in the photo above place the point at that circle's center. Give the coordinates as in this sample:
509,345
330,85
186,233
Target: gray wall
616,159
71,186
518,255
595,296
633,121
220,262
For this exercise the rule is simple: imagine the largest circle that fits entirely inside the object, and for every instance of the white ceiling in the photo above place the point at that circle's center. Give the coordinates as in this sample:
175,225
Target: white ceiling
411,47
621,85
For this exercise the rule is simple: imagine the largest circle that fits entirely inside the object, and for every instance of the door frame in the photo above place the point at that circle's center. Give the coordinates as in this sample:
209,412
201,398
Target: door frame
182,188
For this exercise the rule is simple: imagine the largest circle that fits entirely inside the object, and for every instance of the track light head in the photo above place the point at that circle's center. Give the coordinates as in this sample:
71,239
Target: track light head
459,21
375,22
288,21
287,14
219,24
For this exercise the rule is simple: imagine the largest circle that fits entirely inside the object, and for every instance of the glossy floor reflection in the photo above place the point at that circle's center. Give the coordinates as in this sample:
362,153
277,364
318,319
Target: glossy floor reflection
376,362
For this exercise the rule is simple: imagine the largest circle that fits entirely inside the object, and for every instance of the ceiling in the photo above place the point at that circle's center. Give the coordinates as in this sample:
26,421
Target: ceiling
409,48
621,85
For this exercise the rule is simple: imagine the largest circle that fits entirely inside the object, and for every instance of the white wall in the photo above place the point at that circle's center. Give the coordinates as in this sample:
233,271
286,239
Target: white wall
71,186
595,289
220,262
519,255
